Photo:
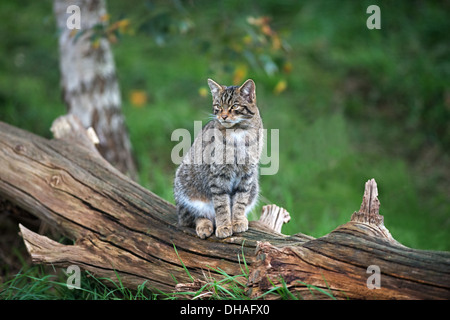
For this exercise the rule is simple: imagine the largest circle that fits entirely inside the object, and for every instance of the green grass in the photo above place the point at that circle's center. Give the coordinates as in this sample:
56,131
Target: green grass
39,283
230,287
35,283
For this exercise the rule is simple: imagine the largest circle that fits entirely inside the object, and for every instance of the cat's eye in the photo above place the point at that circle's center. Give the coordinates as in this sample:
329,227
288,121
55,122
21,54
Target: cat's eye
217,108
235,107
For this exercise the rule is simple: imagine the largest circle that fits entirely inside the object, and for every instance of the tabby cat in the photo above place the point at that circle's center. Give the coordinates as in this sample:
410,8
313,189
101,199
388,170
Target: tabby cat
216,185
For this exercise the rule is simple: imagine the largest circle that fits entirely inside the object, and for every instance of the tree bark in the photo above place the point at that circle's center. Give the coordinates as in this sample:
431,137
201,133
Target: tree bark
89,81
341,262
120,227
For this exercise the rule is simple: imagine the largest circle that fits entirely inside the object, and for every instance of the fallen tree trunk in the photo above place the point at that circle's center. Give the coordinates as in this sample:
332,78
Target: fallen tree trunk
120,227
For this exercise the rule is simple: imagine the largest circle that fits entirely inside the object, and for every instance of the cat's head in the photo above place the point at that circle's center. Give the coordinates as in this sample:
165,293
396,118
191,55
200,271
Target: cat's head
234,105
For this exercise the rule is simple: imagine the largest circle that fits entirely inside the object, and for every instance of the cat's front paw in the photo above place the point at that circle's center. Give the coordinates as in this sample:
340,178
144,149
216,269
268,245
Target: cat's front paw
224,231
240,225
204,228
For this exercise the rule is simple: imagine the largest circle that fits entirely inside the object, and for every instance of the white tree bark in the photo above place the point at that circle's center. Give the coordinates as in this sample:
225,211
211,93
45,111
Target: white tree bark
89,81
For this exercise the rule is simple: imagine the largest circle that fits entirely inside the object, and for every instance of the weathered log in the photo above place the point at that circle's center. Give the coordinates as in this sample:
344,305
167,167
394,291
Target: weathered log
341,263
120,227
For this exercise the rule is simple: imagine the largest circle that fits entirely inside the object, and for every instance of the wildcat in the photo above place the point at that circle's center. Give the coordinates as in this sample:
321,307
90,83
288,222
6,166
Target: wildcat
216,185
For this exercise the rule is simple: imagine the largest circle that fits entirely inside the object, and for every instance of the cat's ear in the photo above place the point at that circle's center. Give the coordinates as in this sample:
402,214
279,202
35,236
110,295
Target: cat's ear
248,91
214,86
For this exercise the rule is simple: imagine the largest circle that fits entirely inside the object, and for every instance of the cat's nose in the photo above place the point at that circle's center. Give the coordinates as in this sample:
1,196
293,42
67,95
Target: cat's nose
224,116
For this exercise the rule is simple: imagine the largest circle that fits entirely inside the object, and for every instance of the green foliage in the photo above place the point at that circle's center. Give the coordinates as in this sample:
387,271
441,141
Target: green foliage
227,288
37,283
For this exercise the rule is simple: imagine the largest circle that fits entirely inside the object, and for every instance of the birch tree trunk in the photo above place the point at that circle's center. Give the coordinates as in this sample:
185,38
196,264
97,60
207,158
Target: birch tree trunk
89,82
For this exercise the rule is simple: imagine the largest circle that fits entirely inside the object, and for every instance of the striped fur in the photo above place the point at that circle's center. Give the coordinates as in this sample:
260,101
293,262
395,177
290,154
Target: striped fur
220,191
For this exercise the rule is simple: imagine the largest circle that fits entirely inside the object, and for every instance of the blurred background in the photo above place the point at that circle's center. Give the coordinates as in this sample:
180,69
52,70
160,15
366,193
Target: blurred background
350,103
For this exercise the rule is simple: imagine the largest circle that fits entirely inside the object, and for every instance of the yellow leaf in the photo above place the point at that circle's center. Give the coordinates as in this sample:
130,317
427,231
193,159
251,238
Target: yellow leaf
112,38
280,87
247,39
276,42
267,30
203,92
287,67
105,17
124,25
95,43
138,98
239,74
73,33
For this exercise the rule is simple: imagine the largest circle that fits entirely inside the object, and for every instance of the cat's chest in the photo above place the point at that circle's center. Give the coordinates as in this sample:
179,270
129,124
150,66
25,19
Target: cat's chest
244,145
232,179
237,137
